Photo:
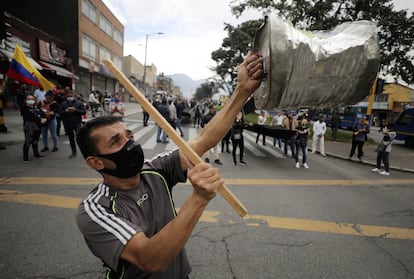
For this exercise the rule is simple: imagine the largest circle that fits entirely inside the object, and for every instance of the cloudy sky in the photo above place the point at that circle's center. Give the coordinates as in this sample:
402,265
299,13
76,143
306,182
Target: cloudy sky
192,30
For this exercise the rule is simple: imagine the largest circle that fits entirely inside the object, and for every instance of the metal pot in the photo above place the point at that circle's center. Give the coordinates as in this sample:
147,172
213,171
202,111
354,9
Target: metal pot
320,69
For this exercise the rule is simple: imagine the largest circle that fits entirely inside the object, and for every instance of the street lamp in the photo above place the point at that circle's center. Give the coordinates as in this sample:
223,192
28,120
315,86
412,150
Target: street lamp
145,60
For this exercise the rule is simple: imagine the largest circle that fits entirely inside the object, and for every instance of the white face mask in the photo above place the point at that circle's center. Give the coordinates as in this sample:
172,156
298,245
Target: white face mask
30,102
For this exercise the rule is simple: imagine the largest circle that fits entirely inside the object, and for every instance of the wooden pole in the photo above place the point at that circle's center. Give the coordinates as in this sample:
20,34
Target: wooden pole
167,128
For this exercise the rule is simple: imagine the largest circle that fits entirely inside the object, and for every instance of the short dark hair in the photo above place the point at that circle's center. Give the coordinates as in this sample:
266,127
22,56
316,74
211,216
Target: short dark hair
86,143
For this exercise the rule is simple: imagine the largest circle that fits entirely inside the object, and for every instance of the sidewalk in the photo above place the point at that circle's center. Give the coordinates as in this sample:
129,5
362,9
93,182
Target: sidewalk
401,157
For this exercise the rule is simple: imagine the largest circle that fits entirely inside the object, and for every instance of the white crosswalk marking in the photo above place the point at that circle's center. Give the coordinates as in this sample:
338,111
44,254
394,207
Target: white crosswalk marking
192,133
268,147
133,126
141,132
249,143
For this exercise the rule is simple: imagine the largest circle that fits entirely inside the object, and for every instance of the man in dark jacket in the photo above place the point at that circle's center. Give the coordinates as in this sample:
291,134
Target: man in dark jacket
358,138
206,118
165,112
71,113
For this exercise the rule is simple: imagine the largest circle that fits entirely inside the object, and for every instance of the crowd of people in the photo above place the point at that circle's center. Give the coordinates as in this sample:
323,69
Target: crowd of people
45,113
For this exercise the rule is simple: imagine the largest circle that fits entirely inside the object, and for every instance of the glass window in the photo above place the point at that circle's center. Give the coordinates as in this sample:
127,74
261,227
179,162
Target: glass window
118,61
104,53
105,25
89,47
118,36
405,119
89,10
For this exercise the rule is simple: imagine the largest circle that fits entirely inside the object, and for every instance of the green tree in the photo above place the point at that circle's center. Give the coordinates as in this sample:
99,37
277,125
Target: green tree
395,28
205,91
232,52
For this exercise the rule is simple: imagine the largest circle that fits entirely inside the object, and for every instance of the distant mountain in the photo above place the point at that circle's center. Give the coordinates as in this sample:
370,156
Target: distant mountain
188,85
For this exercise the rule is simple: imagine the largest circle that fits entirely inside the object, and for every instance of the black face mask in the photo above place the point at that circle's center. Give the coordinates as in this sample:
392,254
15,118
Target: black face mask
129,160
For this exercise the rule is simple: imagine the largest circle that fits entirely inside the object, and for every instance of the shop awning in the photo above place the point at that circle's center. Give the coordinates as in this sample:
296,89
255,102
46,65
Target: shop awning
60,71
9,55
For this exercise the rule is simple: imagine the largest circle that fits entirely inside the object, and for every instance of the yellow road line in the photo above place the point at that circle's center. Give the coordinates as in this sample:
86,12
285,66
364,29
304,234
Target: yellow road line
251,220
229,181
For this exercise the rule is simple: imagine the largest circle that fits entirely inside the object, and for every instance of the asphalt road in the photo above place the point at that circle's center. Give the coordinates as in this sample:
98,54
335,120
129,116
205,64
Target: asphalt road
333,220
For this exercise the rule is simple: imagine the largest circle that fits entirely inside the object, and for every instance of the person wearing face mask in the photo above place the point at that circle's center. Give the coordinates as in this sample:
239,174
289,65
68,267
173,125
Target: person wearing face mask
129,220
33,119
71,113
302,142
117,108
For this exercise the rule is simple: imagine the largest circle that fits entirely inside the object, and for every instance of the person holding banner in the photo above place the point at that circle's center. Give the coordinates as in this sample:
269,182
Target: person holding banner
129,220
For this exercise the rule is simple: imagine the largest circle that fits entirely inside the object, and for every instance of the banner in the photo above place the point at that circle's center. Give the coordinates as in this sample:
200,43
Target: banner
22,70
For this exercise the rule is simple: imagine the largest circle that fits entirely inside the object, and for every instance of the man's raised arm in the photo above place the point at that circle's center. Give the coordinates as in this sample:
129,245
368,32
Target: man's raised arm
249,77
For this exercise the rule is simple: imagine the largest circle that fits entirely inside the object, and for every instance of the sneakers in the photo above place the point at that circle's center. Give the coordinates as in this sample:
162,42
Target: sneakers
44,149
385,173
55,149
217,161
297,165
376,170
305,165
243,163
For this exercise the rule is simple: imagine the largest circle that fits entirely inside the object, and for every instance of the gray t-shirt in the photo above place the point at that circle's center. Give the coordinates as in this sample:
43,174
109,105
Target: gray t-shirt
109,217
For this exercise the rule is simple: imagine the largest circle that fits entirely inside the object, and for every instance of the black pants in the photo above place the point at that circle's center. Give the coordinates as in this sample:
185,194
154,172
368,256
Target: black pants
264,138
70,130
146,118
225,142
58,125
384,157
34,143
237,143
360,145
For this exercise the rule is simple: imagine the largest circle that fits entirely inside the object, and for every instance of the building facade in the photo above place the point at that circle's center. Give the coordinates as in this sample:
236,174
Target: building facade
85,30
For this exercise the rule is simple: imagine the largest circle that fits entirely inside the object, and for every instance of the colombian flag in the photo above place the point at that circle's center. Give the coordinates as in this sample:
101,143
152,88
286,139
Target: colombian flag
22,70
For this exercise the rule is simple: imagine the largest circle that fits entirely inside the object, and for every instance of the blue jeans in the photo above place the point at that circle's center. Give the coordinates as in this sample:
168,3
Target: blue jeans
301,145
292,143
178,126
50,126
164,135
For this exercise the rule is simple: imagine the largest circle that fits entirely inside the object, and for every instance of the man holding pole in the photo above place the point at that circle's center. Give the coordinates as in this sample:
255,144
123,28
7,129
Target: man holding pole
129,220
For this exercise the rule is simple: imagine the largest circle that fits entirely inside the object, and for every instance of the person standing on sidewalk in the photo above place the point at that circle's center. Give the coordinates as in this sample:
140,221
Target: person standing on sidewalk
384,149
359,137
93,103
319,130
72,111
33,119
117,108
